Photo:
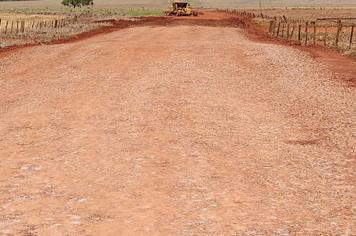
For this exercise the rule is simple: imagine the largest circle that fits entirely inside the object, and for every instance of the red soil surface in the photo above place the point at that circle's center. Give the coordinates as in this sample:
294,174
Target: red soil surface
189,126
344,66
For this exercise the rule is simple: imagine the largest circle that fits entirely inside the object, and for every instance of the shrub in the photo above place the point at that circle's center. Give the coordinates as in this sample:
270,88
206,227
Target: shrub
77,3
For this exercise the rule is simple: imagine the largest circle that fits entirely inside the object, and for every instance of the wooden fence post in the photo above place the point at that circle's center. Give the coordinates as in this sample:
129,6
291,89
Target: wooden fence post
299,32
352,35
7,23
270,26
339,28
291,34
12,26
274,28
306,33
282,36
17,27
314,33
23,26
288,27
279,26
285,18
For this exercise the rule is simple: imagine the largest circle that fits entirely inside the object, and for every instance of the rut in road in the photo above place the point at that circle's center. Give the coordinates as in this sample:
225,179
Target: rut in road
183,130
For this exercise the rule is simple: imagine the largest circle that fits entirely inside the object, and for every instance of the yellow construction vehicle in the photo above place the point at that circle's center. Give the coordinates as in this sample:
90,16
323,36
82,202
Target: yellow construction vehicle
181,9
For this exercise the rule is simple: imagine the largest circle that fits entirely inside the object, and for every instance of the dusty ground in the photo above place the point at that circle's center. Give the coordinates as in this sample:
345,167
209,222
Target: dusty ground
175,130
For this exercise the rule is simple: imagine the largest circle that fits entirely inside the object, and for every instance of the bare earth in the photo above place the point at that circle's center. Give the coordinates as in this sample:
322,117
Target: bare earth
180,130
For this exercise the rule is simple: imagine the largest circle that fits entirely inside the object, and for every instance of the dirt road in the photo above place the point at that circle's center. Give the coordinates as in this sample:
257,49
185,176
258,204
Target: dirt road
184,130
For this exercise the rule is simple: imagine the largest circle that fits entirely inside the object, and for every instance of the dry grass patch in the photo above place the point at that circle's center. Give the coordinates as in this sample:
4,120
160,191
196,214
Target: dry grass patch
30,25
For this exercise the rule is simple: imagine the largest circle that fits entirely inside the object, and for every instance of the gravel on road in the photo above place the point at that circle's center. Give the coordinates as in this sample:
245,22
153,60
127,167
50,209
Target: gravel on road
180,130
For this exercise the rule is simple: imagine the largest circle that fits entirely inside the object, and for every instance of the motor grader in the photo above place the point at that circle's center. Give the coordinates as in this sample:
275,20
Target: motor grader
181,9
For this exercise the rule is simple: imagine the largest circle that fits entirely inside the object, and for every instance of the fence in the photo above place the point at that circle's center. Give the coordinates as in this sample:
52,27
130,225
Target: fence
310,32
328,32
15,26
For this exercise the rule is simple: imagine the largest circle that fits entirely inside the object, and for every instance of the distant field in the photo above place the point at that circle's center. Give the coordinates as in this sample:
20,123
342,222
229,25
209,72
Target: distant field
199,3
308,14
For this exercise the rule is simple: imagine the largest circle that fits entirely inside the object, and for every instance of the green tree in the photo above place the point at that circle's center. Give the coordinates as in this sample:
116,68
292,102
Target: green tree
77,3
